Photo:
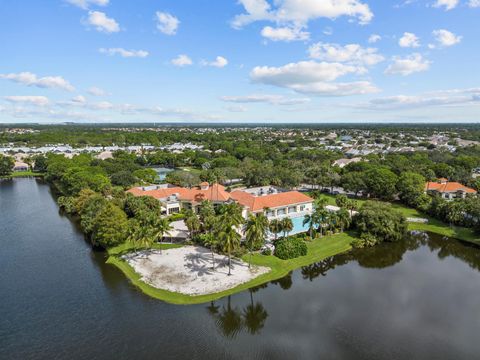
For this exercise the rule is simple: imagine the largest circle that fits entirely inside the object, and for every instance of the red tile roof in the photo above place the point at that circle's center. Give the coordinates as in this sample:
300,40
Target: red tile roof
256,203
214,192
448,187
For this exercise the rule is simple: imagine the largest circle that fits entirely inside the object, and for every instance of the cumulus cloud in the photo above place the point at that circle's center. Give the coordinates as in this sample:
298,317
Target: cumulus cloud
447,4
432,99
265,98
286,33
167,23
219,62
95,91
311,77
102,22
474,3
409,40
300,12
374,38
124,53
30,100
29,79
351,53
85,4
182,60
408,65
444,38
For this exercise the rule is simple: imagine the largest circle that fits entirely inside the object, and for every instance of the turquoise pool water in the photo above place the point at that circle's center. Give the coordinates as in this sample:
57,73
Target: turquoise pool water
298,226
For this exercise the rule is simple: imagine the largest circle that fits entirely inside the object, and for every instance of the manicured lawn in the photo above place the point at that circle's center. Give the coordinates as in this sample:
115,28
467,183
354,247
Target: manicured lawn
318,250
433,225
16,174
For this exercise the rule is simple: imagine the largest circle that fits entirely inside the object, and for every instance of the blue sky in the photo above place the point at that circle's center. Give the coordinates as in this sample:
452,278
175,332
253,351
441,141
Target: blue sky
255,61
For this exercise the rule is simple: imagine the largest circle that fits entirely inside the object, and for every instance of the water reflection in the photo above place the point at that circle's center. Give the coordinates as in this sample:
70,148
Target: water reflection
388,254
231,320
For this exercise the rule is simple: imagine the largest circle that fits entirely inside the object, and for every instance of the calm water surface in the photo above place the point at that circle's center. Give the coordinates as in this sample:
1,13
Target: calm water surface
419,299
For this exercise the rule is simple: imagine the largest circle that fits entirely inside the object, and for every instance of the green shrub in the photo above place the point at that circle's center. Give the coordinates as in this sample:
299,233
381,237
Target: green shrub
267,252
290,248
365,240
176,217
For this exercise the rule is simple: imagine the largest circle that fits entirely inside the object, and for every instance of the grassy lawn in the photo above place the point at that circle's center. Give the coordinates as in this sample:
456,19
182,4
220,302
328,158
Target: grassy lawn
318,250
17,174
433,225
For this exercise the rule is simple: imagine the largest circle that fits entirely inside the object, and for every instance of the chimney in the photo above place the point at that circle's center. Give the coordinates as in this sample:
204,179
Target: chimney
204,186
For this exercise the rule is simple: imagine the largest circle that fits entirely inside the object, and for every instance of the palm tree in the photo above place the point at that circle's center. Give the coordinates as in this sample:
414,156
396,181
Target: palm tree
287,226
311,220
207,216
256,230
275,227
192,222
230,240
344,219
161,228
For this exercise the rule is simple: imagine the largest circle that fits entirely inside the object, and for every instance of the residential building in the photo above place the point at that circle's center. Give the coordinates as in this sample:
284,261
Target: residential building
21,166
277,203
448,189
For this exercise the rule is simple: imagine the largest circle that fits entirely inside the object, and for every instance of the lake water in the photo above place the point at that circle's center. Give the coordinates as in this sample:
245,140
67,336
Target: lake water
418,299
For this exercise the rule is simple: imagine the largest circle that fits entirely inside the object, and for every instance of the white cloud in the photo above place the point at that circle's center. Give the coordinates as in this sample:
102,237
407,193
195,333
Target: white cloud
167,23
29,79
102,105
85,4
285,34
447,4
80,99
102,22
474,3
374,38
236,108
311,77
95,91
182,60
351,53
265,98
219,62
445,38
409,40
30,100
408,65
124,53
300,12
440,98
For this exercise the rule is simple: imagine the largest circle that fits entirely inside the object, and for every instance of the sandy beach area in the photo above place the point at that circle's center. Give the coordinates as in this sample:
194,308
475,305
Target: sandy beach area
188,270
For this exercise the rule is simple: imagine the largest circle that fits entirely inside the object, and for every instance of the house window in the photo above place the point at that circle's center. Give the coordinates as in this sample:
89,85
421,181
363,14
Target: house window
292,209
302,207
174,210
281,211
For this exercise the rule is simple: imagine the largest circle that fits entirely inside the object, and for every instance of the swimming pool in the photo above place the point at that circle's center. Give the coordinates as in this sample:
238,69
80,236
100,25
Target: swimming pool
298,226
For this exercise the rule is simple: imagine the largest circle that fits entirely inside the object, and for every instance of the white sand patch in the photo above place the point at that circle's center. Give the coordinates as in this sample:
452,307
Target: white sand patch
188,270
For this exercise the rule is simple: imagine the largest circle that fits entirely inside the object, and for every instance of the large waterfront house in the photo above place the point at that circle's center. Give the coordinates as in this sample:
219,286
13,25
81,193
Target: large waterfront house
448,190
276,203
21,166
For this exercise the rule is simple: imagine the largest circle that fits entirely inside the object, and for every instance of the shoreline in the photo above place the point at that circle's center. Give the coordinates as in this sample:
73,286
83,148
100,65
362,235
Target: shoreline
319,250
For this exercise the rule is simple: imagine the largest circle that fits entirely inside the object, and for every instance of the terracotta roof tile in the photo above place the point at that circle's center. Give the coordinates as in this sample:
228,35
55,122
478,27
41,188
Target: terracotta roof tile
448,187
256,203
